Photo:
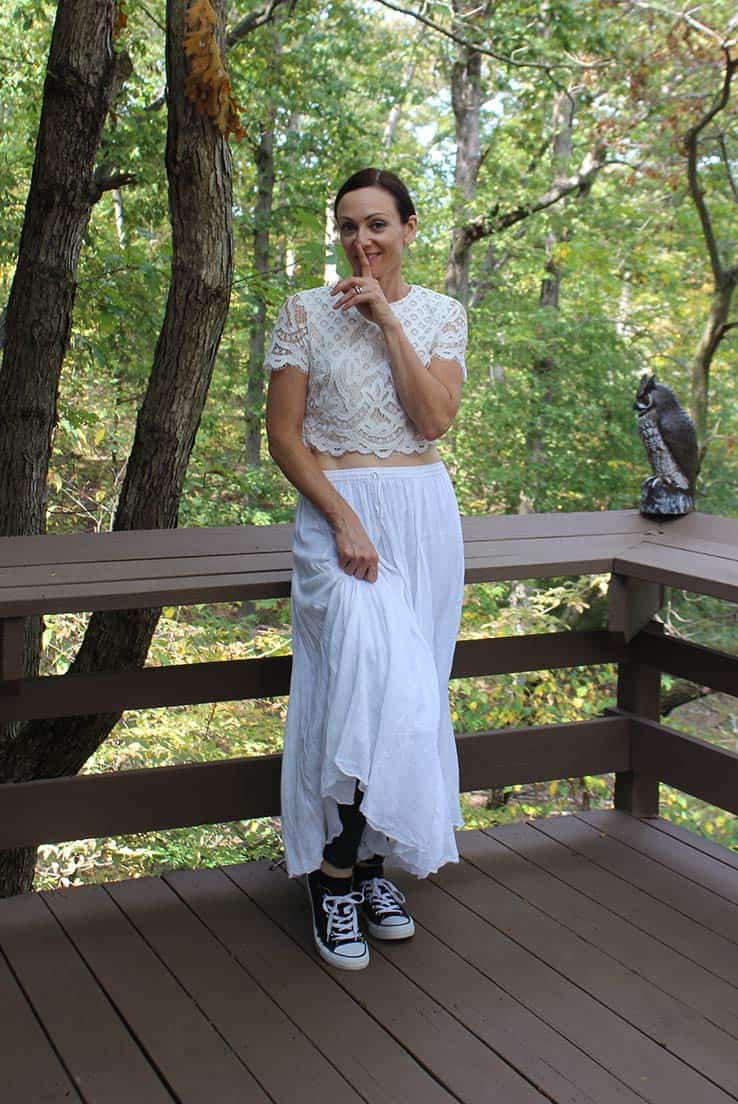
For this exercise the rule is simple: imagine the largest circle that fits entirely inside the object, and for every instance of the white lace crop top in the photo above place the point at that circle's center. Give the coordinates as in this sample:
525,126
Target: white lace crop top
352,404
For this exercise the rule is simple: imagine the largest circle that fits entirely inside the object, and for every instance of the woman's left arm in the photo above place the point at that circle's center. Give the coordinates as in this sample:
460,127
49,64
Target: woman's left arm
430,394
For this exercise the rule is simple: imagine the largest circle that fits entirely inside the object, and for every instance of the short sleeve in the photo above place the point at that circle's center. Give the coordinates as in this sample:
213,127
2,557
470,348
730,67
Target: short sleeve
289,344
450,340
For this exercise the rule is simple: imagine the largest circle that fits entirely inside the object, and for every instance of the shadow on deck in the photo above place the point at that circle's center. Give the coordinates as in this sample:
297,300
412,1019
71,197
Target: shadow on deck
575,959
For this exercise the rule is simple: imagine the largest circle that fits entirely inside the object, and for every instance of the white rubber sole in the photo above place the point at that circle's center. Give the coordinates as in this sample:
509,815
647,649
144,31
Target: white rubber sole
343,962
401,931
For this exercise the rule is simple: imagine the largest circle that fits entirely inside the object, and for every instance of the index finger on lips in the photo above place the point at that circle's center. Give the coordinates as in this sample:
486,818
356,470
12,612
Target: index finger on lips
365,267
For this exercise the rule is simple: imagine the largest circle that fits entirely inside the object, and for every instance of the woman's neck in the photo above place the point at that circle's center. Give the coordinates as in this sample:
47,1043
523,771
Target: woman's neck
394,287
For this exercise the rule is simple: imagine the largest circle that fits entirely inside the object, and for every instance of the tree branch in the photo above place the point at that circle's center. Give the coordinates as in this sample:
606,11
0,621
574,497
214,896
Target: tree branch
691,143
103,181
726,164
256,18
494,222
505,59
678,17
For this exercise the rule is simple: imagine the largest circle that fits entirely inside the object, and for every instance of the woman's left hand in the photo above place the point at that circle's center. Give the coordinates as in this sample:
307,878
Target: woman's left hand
361,290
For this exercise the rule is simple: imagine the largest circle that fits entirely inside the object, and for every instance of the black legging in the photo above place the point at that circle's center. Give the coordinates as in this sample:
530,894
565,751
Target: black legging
342,850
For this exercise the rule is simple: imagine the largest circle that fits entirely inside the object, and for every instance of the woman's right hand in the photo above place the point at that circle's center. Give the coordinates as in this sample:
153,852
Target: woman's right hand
357,555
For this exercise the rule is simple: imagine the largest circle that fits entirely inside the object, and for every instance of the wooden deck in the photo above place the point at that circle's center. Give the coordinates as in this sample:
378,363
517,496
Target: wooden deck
575,959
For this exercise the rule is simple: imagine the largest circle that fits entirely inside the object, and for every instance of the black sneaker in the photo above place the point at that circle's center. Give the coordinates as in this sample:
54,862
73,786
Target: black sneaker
336,931
382,907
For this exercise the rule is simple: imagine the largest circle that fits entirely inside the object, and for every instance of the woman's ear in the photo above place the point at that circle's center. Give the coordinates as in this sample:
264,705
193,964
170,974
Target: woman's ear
410,230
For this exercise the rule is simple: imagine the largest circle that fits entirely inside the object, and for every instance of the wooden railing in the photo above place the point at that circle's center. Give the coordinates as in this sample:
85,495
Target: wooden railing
53,574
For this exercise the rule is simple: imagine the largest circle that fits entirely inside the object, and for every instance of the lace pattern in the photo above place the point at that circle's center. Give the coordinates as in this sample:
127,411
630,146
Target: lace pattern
352,403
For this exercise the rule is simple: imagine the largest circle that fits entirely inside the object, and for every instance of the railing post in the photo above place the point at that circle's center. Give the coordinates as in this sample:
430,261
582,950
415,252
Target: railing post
632,604
639,692
12,631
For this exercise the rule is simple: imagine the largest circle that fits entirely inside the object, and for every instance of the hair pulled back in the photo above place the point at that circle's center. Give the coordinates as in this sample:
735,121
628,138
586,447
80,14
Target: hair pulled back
379,178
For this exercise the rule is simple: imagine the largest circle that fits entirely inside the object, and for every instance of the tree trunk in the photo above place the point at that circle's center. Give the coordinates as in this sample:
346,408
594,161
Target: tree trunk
264,157
561,150
199,173
77,94
712,335
466,100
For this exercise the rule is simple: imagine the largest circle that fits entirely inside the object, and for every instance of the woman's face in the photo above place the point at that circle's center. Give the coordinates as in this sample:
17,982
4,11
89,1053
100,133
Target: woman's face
370,216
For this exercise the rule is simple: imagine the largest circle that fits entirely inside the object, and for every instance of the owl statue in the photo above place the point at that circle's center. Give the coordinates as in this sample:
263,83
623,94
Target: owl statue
670,440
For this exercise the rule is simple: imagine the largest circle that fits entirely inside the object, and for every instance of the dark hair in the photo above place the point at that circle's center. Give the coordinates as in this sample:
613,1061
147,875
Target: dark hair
379,178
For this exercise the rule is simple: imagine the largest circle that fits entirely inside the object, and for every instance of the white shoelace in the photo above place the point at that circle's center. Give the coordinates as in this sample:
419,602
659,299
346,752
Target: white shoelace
343,920
382,895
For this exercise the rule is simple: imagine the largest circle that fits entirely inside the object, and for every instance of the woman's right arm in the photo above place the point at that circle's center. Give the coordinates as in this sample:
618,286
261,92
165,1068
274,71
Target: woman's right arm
284,416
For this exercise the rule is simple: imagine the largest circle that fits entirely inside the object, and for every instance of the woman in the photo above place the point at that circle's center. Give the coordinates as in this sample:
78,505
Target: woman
364,377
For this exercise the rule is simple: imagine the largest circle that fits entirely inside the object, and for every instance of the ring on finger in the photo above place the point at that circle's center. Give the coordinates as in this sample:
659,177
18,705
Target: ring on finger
358,289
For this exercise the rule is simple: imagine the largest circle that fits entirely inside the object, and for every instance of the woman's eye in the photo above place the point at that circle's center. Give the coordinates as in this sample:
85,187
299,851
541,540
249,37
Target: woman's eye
377,226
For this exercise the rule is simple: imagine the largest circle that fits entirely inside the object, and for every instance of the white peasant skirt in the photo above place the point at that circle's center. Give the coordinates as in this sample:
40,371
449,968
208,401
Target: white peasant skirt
369,691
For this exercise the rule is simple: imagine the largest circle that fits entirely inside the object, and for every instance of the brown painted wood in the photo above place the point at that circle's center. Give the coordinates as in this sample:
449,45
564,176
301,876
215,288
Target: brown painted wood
58,548
81,1023
244,679
581,896
694,766
632,604
544,651
11,648
718,670
438,964
505,757
668,1023
440,1042
699,868
78,807
710,910
82,806
178,684
191,1057
699,843
559,523
31,1069
676,567
67,576
138,594
363,1050
254,1027
648,896
639,692
709,527
496,947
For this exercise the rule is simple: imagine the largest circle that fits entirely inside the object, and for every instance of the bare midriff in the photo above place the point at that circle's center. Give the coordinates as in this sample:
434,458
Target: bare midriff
369,460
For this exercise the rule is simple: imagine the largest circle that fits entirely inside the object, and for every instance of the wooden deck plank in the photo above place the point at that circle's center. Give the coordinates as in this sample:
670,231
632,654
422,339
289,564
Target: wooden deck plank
437,960
31,1069
699,843
379,1068
537,974
63,576
701,869
541,875
653,897
465,1065
674,567
58,548
83,1026
171,543
681,542
251,1023
670,1025
192,1058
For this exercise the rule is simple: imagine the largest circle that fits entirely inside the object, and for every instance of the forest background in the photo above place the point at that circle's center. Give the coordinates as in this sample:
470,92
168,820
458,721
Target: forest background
575,170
